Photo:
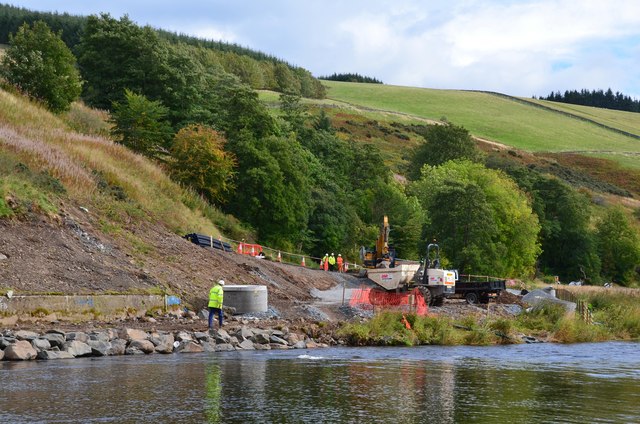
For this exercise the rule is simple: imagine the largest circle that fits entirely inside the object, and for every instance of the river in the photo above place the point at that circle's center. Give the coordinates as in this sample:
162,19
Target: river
537,383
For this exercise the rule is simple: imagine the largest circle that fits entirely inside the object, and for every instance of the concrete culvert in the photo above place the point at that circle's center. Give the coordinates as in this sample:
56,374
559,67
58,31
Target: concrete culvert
246,299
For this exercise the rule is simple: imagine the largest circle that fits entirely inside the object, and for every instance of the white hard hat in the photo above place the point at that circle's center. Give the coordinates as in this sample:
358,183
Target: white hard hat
221,282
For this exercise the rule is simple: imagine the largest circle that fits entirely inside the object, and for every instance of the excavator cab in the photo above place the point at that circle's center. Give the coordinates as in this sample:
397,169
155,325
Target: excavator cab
383,255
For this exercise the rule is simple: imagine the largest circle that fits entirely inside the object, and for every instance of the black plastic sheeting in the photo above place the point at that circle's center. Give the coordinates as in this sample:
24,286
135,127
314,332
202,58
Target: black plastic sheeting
207,241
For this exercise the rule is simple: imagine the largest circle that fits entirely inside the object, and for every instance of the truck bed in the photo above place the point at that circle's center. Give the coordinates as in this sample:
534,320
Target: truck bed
475,291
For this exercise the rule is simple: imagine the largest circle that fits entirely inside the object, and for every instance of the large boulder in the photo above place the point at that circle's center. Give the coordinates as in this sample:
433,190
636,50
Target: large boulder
26,335
1,354
118,347
21,350
221,336
99,347
246,345
209,346
183,336
261,338
163,343
101,336
300,345
132,334
187,346
77,348
55,339
40,344
259,346
145,346
201,337
78,336
54,354
243,334
224,347
6,341
293,338
277,340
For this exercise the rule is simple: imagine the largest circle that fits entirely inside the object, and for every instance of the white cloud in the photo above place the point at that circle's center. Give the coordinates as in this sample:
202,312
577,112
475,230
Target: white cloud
519,47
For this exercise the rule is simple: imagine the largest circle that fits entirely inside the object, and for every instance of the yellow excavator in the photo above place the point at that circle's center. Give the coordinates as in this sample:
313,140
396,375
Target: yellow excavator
382,256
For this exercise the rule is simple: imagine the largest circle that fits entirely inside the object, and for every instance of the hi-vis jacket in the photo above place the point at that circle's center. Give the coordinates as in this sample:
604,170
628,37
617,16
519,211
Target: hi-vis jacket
215,296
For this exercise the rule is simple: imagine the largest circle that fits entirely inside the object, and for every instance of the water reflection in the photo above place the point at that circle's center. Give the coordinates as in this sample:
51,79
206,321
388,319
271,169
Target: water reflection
440,385
214,390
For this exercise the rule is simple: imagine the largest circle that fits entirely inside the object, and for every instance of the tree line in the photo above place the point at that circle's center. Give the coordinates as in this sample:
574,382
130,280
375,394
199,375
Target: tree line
259,70
351,78
300,186
596,98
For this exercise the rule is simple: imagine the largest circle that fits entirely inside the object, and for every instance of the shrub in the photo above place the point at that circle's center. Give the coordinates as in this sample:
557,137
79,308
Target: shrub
574,330
140,124
543,317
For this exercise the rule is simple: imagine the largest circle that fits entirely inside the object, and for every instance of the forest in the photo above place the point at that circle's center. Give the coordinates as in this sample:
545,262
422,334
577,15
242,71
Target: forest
292,181
259,70
596,98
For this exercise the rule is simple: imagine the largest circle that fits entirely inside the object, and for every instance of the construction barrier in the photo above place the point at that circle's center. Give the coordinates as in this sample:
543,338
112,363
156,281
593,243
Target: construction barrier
259,251
369,299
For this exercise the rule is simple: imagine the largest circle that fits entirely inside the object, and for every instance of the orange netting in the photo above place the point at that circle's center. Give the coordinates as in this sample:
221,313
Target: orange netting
369,298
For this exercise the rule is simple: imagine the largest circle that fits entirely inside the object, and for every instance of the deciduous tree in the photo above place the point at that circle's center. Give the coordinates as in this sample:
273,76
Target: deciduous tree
198,159
442,143
619,247
483,219
40,64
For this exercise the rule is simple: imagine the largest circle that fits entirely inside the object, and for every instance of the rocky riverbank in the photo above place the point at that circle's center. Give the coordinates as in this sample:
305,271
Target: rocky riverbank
22,345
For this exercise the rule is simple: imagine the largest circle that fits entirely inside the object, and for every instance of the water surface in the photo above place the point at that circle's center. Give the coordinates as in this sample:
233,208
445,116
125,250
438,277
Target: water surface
541,383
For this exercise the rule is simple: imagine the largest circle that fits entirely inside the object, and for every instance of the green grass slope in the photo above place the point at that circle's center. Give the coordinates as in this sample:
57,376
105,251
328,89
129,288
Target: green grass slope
44,163
498,118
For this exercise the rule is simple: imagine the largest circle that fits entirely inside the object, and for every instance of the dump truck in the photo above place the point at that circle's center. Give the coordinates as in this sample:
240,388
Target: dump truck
393,275
390,274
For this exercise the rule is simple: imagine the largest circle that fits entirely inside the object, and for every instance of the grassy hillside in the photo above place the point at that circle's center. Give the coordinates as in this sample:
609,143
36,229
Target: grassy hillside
499,118
625,121
44,163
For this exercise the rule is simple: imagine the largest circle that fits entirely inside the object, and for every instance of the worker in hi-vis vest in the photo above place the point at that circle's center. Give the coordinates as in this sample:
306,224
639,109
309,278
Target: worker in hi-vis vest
216,295
332,262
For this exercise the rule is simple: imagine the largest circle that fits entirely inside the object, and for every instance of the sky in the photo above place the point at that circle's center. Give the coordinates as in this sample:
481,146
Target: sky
516,47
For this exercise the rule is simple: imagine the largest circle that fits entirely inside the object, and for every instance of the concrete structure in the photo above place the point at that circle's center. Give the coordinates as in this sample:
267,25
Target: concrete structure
83,306
246,299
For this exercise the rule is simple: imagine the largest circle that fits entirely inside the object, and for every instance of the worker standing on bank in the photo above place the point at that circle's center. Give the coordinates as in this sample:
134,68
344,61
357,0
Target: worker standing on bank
332,262
325,262
216,296
339,262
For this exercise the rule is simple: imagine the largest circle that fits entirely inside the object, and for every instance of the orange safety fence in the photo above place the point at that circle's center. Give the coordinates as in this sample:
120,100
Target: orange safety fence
249,249
369,298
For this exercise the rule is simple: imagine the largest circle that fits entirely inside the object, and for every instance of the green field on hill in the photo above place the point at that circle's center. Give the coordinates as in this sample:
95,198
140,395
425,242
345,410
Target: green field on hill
625,121
497,118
